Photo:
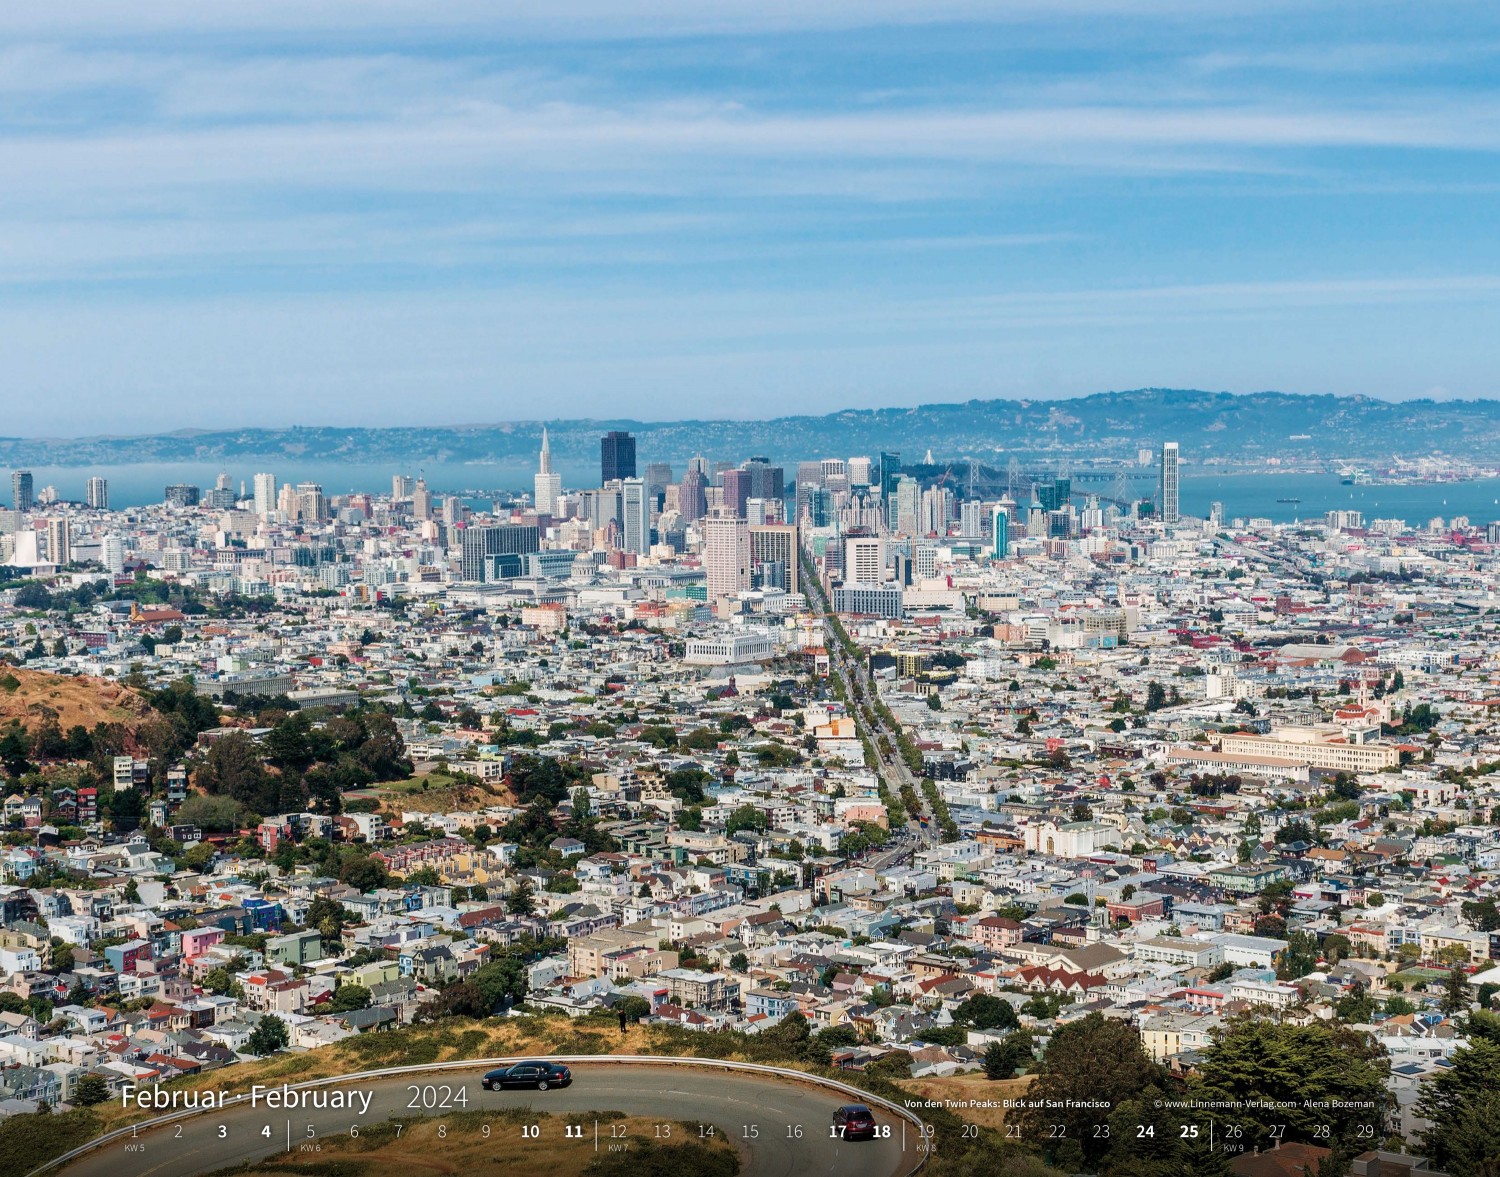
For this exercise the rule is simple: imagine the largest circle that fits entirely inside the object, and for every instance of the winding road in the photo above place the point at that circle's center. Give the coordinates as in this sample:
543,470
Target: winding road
780,1125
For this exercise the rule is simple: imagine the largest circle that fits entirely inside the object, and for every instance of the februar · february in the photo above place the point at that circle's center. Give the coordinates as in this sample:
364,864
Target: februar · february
283,1098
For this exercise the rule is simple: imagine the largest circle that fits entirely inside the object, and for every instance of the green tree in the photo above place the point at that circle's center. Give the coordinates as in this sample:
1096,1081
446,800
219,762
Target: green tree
1464,1102
349,997
363,873
1456,997
1306,1069
502,980
269,1036
92,1089
522,899
746,817
1299,957
1090,1060
984,1011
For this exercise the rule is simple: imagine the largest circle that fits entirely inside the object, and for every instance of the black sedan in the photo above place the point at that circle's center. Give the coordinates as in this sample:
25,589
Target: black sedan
538,1075
853,1121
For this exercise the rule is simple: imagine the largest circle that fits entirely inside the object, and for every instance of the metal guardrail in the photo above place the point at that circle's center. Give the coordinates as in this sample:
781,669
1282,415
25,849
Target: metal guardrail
787,1073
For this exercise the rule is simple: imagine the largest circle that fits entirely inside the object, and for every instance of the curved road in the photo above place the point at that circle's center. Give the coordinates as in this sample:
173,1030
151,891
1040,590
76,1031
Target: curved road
781,1126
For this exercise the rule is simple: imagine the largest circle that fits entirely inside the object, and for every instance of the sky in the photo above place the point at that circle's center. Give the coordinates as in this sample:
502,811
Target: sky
399,212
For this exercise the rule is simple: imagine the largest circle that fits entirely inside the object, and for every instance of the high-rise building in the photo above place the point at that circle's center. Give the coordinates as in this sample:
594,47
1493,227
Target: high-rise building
616,456
181,494
776,543
864,560
658,478
421,500
112,554
1001,529
22,494
635,516
401,487
726,555
970,516
59,541
859,471
905,505
766,481
96,493
497,552
546,485
1167,486
312,503
692,496
736,491
890,466
265,494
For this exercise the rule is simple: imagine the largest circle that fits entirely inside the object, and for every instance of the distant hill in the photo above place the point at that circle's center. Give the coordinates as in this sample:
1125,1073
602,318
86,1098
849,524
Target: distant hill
1207,424
32,696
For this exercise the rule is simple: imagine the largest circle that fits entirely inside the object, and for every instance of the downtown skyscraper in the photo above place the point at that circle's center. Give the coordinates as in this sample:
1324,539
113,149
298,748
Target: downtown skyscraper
546,485
1167,499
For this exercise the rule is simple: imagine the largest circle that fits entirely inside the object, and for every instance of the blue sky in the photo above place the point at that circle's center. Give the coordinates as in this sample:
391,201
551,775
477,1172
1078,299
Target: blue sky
402,212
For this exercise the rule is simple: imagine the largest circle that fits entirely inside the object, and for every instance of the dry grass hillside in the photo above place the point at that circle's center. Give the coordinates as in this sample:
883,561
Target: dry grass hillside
33,696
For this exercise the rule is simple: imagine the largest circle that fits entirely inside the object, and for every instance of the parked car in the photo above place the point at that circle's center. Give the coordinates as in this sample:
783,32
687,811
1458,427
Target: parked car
533,1074
854,1121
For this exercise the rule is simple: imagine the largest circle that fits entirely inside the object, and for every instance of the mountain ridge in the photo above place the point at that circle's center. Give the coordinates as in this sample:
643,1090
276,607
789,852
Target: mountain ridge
1208,425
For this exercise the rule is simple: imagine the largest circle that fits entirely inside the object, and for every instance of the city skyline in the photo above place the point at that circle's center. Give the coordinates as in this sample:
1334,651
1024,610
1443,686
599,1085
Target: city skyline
219,218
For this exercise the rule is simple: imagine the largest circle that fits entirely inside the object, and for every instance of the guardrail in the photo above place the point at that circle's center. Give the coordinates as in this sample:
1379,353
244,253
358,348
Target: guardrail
862,1096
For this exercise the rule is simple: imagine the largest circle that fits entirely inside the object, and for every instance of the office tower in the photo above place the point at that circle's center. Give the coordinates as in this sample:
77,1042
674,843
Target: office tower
1167,487
859,471
96,493
22,497
312,503
455,511
1054,495
692,496
905,505
970,514
890,467
658,478
736,491
182,494
817,507
834,468
702,465
59,542
616,456
935,509
401,487
763,511
421,500
112,554
265,494
1001,528
1216,515
924,562
726,555
497,551
864,560
777,544
766,481
635,516
546,485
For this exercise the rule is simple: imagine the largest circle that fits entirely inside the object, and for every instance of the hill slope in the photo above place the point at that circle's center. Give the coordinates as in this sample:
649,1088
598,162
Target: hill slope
1208,424
32,696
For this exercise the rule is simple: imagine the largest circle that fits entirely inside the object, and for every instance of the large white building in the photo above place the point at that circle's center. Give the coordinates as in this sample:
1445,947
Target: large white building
730,649
265,494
